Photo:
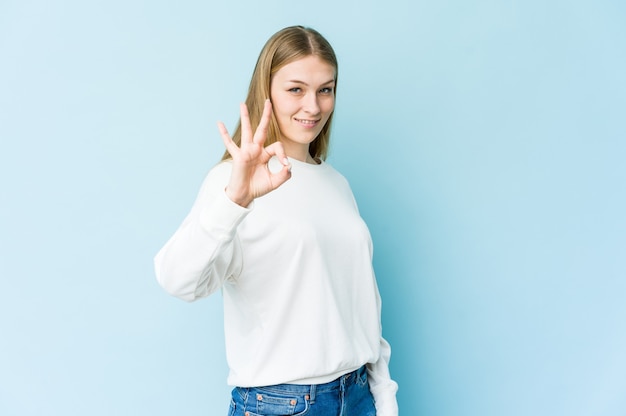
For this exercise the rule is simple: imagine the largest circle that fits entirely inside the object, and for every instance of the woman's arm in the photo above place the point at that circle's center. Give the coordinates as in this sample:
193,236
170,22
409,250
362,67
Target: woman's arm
383,388
204,252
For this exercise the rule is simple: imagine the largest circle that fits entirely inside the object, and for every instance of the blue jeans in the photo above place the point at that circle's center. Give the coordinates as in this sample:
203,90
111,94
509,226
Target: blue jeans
349,395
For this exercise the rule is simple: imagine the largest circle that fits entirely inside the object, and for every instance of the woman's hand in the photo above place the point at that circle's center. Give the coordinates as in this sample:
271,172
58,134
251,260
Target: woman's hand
251,176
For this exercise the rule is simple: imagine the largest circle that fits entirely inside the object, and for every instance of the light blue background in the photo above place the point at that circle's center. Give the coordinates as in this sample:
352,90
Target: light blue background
484,140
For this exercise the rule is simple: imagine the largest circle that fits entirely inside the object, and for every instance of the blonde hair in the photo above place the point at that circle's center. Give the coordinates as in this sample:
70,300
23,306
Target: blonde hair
285,46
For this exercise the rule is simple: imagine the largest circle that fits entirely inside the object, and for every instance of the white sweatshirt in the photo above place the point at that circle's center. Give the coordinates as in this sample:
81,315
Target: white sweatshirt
301,304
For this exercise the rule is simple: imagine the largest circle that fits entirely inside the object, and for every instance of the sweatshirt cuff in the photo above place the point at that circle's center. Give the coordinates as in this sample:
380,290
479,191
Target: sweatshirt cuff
386,407
222,216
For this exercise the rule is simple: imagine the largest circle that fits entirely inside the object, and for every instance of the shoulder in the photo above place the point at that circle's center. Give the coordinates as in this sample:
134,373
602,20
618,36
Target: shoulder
220,170
337,181
218,176
334,174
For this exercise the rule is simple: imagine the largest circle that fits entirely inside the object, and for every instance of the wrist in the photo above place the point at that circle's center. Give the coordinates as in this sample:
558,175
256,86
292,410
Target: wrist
242,200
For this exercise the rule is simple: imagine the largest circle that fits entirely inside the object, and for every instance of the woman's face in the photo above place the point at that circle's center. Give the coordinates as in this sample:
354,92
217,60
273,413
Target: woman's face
303,98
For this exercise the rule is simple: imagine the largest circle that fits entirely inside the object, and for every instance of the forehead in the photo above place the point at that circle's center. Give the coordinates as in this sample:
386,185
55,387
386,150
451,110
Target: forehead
310,68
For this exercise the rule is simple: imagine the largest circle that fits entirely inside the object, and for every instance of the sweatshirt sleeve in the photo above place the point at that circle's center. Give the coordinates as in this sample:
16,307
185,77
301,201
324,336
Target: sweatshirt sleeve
204,251
383,388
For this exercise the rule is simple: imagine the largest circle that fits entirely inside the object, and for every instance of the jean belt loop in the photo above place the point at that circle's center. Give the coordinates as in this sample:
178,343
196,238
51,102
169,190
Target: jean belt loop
351,377
361,372
312,394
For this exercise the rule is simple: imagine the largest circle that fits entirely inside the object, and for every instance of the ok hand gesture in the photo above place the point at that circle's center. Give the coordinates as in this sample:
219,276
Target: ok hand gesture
251,176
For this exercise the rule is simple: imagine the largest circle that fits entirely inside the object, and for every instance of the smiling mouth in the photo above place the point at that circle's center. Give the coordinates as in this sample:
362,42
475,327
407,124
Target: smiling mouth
307,122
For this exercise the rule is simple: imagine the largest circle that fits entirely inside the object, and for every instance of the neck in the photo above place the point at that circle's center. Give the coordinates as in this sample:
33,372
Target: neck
300,153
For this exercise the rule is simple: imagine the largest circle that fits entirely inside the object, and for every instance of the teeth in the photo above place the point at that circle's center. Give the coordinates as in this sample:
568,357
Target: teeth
306,121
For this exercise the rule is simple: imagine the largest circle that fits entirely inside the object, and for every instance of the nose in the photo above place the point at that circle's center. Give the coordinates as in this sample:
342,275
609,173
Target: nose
311,104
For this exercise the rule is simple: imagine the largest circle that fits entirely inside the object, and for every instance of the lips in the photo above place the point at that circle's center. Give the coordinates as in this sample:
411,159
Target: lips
307,123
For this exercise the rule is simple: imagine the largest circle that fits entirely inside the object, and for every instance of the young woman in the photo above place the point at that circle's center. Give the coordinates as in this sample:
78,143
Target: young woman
277,230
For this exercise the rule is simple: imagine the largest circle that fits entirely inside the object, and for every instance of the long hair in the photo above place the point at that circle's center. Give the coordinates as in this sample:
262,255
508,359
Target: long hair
285,46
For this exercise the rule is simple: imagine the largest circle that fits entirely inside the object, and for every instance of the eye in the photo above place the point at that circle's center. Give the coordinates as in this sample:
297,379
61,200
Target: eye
295,90
326,90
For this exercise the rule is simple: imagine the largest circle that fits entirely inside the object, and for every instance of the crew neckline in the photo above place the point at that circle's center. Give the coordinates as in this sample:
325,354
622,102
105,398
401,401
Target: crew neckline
299,162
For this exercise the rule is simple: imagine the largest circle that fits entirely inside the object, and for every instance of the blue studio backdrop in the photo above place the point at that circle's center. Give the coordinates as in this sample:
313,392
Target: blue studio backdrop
484,140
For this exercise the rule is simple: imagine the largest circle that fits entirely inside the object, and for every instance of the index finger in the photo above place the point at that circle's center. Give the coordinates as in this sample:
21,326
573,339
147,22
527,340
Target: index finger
261,131
228,141
245,123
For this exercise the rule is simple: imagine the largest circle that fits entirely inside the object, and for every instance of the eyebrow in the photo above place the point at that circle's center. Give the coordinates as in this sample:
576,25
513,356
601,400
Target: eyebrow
295,81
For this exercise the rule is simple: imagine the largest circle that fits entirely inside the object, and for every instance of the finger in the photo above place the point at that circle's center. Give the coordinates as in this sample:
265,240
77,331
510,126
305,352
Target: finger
228,141
246,130
277,149
260,133
280,177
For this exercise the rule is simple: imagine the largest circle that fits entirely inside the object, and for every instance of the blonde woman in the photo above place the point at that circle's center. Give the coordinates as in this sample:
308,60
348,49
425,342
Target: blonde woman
277,230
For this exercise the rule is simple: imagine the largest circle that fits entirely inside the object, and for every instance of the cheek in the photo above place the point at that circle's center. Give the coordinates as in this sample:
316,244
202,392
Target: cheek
280,105
281,113
329,106
330,101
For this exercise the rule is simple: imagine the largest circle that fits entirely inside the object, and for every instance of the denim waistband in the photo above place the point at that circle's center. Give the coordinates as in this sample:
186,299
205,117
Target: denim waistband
338,383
